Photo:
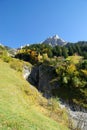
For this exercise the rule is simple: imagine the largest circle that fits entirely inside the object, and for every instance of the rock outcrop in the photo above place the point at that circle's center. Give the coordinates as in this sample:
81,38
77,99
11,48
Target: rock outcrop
26,72
42,77
77,115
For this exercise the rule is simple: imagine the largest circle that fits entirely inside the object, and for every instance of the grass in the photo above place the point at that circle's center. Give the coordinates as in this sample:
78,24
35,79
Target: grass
18,104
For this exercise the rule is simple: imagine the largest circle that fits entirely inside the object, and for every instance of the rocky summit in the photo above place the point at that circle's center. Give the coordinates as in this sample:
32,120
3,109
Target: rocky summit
55,40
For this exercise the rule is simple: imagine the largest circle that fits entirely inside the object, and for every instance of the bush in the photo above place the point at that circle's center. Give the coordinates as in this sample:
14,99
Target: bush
6,58
4,55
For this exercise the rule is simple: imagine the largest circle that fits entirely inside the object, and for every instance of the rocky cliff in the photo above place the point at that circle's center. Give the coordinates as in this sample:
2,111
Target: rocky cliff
42,76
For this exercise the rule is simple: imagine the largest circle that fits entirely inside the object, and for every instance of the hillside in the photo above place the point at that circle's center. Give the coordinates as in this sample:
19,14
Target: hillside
19,107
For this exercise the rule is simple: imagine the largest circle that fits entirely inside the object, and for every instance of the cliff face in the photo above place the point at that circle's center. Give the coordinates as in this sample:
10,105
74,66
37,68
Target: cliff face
42,77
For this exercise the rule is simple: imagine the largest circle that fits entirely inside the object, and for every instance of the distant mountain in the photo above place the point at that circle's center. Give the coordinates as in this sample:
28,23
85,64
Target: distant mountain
10,50
55,40
1,45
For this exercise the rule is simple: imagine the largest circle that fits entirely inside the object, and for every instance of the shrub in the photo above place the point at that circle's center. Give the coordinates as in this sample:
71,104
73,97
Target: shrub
6,58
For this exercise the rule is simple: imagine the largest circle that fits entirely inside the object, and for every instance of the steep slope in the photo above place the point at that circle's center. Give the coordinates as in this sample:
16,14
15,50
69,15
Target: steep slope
55,40
17,104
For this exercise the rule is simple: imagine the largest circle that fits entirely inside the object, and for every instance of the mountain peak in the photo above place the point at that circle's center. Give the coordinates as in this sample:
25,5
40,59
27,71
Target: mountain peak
56,36
55,40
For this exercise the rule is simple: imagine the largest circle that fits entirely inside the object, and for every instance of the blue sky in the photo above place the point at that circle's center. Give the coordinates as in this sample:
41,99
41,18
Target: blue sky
32,21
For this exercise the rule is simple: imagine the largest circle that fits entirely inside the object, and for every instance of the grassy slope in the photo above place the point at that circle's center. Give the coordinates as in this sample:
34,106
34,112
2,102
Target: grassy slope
16,111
